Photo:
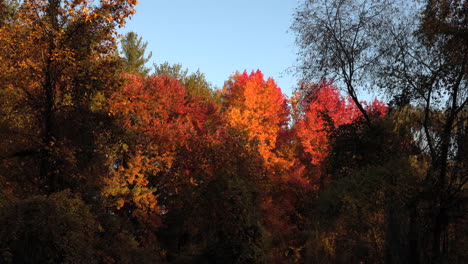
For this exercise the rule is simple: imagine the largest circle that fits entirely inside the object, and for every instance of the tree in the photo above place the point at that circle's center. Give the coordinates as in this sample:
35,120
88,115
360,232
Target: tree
8,9
214,213
155,113
342,40
322,110
48,229
421,63
57,59
430,62
195,83
134,49
179,165
258,108
175,70
153,160
325,112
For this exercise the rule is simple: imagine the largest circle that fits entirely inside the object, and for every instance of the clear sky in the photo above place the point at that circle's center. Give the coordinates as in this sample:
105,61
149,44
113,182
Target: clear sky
220,37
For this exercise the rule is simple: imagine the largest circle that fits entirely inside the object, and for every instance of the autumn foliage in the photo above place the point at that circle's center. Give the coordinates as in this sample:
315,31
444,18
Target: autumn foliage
320,110
101,165
324,110
160,120
257,107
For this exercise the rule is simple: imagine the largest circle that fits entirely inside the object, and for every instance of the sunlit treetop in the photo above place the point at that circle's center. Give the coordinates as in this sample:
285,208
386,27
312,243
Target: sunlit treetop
323,110
257,107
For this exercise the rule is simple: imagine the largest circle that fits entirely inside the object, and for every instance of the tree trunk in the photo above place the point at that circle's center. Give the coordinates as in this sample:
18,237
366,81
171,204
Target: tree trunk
413,247
47,170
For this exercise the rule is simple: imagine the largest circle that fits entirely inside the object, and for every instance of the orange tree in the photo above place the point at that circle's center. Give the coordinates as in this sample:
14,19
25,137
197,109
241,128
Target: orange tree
160,123
57,61
319,111
258,108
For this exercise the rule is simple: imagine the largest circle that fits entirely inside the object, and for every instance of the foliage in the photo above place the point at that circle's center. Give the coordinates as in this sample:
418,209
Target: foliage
102,162
8,9
257,108
55,229
422,64
57,57
342,40
325,112
133,49
194,83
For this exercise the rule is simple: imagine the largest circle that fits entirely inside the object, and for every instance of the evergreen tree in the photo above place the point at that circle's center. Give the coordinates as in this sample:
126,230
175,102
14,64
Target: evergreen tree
134,49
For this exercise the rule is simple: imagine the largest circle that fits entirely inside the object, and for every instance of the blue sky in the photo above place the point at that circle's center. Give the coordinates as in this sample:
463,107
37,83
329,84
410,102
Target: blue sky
220,37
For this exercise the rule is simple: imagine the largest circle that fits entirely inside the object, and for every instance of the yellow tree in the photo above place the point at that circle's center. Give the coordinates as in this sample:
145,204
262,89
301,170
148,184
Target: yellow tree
57,59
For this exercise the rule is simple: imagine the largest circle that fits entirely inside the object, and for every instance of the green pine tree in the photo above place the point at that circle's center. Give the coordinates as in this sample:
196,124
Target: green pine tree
134,49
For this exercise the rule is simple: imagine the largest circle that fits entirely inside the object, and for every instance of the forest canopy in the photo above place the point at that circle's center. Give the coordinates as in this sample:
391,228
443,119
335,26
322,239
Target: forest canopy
106,160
